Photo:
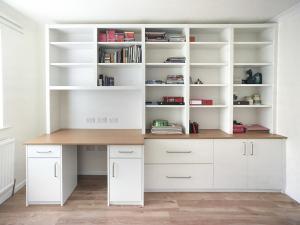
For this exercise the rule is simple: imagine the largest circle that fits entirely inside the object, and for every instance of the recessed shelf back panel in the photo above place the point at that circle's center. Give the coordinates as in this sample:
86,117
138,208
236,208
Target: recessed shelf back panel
266,71
71,34
253,34
210,34
76,55
210,75
209,55
153,73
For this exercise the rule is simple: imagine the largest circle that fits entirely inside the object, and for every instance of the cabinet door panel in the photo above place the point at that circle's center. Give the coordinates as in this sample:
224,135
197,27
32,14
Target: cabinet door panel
265,164
230,164
125,180
43,179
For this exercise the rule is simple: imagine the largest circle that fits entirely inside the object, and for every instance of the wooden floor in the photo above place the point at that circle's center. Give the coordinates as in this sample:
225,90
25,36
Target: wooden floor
87,205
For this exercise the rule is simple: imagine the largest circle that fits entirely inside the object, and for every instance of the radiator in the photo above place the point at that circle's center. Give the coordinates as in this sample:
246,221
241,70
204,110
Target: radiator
7,148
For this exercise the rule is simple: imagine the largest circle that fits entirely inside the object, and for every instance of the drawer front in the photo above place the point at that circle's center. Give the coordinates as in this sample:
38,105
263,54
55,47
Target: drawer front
125,151
41,151
178,177
178,151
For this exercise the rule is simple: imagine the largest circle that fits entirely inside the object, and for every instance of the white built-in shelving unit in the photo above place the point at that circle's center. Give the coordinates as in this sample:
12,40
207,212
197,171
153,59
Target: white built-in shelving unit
219,57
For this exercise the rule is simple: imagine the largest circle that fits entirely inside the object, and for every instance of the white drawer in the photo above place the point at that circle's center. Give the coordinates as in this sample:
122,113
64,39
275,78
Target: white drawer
40,151
178,151
125,151
178,177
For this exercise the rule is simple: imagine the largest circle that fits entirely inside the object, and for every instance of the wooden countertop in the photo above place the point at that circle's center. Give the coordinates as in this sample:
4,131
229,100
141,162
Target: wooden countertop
214,134
90,137
131,137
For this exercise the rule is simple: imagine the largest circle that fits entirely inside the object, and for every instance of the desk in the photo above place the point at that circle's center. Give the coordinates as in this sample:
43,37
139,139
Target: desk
51,161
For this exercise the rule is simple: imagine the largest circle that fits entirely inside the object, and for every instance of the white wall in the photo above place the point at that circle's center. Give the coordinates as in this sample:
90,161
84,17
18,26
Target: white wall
289,94
23,85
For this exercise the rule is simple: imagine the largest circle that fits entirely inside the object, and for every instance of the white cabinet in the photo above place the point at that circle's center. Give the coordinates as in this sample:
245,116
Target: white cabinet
44,176
230,164
248,164
51,173
178,165
125,178
265,164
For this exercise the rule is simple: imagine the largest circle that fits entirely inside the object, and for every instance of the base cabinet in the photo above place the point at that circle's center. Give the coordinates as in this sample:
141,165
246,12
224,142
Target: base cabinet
51,173
125,176
214,165
44,175
248,164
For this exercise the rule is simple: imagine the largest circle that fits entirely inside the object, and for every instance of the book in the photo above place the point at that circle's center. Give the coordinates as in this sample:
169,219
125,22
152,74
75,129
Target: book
110,36
132,54
102,37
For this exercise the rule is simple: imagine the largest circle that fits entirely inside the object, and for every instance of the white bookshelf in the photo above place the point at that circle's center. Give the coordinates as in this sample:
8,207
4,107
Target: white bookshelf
219,57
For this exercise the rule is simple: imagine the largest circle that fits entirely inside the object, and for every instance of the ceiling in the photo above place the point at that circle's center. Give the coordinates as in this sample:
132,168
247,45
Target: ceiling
151,11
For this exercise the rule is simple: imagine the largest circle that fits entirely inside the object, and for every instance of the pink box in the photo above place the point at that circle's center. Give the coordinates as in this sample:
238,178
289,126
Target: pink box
239,129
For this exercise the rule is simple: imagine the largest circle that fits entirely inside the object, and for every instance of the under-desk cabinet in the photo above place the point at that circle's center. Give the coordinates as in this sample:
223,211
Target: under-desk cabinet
51,173
125,175
214,165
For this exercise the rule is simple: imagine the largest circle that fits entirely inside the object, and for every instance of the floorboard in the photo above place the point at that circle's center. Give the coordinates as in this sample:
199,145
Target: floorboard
87,205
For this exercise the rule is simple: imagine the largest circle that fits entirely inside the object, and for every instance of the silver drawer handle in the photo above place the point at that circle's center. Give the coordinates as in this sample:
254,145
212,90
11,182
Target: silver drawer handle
125,151
179,151
188,177
43,151
55,170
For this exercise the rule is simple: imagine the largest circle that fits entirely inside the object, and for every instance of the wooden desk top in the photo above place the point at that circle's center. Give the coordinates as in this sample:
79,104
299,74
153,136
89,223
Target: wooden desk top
215,134
131,137
90,137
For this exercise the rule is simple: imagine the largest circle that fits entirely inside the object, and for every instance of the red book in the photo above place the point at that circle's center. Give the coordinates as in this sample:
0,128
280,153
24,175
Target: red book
119,37
129,36
207,102
110,35
102,37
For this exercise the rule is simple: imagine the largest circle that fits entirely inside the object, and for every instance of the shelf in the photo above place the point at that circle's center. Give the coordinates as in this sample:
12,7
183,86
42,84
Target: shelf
72,64
119,44
252,106
159,65
208,44
208,85
252,64
208,106
165,106
165,45
164,85
253,43
208,65
74,45
252,85
119,64
96,88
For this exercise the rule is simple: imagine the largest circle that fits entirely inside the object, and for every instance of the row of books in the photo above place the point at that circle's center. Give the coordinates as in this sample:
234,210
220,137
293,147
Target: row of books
175,79
112,35
132,54
105,80
161,36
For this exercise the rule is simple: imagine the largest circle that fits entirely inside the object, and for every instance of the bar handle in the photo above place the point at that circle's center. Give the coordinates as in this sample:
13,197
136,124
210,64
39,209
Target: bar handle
180,177
113,170
179,152
126,152
252,148
44,151
55,169
245,148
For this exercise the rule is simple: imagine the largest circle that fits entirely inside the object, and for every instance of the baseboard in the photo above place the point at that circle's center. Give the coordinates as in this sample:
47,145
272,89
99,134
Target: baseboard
7,193
96,172
20,185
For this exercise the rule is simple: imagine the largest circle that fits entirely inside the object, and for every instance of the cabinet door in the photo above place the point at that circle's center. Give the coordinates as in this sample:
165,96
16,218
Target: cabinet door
265,164
230,164
43,179
125,180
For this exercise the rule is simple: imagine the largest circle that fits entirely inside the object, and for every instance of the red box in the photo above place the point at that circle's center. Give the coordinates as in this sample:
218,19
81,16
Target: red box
207,101
111,35
239,128
129,36
171,99
102,37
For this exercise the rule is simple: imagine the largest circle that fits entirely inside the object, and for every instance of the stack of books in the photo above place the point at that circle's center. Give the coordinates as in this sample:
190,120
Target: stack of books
176,38
175,60
112,35
132,54
201,102
156,36
175,79
154,82
170,129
